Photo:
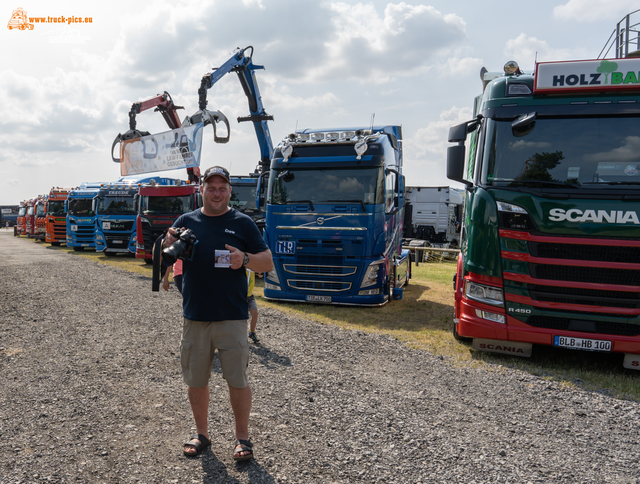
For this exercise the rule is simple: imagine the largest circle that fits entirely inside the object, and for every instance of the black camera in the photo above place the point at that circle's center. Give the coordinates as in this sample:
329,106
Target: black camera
164,258
181,248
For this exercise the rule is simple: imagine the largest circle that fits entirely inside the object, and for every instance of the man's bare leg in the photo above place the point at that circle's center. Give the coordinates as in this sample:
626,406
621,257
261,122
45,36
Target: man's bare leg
240,399
199,400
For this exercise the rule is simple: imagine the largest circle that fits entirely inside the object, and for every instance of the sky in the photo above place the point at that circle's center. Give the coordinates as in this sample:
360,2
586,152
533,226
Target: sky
66,88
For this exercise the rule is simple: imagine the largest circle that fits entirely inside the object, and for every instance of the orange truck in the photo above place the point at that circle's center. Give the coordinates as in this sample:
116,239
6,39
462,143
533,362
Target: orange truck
40,217
56,217
30,219
21,228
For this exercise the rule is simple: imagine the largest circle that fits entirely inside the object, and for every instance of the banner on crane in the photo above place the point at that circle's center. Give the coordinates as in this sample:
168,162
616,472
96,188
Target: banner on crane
171,150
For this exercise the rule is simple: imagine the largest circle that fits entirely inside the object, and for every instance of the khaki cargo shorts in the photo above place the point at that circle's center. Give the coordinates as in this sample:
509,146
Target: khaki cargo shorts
199,343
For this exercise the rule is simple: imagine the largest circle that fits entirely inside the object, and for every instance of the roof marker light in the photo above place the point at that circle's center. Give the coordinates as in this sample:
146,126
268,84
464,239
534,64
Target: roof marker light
333,136
317,136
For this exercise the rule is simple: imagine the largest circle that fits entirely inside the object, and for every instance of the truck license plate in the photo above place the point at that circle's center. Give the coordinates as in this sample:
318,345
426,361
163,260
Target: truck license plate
312,298
582,343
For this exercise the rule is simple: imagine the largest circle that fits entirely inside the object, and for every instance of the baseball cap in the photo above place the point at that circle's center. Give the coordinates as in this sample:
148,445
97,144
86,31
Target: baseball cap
216,170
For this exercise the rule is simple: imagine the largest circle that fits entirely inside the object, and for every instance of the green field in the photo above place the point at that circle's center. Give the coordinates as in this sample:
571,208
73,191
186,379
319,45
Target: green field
423,319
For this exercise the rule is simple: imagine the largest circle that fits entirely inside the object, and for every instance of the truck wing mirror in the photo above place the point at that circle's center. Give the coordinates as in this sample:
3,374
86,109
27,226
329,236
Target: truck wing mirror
455,164
458,133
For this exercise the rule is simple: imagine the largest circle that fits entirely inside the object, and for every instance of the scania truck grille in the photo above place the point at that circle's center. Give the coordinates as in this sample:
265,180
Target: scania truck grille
574,284
590,297
150,235
597,275
585,252
585,326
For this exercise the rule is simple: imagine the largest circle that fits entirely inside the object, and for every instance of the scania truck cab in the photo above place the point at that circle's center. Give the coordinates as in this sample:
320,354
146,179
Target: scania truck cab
160,204
56,220
334,217
550,249
40,218
81,217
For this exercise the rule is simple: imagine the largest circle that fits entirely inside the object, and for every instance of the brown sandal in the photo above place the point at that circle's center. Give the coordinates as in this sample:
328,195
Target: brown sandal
199,446
245,446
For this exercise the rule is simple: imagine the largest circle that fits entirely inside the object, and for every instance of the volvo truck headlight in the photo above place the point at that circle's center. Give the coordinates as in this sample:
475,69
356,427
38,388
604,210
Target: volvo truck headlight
484,294
272,275
371,276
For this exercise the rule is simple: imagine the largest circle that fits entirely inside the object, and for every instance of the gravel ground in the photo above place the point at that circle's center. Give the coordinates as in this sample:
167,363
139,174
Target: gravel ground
92,393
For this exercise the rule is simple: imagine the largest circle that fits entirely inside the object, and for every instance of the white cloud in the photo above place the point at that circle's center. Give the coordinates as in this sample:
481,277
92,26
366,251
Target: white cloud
627,152
374,47
457,67
528,145
594,10
525,49
425,152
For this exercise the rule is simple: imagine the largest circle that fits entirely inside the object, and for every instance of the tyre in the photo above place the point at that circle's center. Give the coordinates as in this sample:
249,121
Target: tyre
148,261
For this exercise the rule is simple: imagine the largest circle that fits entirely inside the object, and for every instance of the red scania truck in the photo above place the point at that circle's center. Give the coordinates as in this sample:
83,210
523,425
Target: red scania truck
159,205
56,221
550,244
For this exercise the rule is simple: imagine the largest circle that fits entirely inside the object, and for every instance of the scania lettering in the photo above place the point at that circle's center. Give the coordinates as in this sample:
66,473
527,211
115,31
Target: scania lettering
334,217
597,216
550,244
81,217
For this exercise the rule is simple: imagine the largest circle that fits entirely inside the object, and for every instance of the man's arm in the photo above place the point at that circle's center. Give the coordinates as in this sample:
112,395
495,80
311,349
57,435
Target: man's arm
260,262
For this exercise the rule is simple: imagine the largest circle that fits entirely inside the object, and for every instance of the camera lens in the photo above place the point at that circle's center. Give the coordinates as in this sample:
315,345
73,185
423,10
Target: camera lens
171,254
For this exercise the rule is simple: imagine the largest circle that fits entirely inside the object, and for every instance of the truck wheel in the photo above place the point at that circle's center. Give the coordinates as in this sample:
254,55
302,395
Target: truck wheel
78,249
148,261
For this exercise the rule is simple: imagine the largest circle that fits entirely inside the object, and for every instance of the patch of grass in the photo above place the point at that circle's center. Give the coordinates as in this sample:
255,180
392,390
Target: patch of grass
423,320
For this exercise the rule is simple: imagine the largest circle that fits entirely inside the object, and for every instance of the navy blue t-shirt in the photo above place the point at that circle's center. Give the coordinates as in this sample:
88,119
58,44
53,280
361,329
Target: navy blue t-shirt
212,293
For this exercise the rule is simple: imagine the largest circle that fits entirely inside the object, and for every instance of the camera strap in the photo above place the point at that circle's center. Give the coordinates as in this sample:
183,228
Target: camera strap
159,267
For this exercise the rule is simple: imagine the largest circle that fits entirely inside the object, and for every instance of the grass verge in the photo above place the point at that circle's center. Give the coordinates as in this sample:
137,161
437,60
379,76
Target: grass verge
423,320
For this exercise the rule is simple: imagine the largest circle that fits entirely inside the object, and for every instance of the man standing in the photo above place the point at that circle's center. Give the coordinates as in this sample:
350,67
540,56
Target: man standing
215,306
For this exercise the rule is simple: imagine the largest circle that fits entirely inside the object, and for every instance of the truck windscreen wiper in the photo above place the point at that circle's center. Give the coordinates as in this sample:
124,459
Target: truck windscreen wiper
293,202
349,201
544,182
613,183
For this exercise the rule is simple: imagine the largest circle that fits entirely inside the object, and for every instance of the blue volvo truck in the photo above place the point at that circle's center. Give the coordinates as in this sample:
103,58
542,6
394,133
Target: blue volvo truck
81,217
334,217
